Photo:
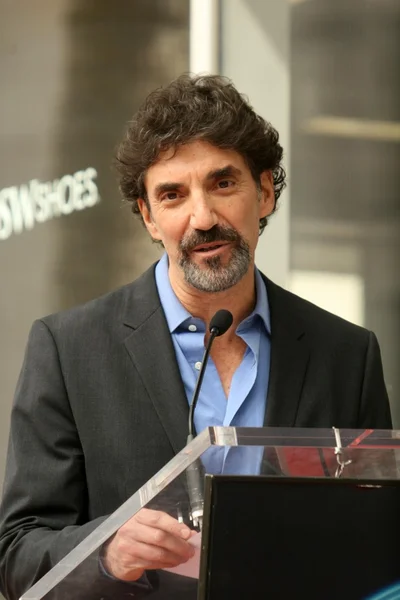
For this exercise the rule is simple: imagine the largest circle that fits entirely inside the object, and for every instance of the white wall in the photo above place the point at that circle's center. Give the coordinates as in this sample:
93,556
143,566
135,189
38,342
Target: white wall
254,47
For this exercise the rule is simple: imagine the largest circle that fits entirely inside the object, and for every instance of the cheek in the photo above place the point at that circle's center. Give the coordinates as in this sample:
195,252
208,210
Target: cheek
171,228
249,228
247,221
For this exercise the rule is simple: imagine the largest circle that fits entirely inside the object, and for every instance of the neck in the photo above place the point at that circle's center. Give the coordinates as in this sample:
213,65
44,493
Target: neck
239,299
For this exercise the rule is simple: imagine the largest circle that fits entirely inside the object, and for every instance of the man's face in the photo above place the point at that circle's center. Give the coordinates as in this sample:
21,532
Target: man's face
205,207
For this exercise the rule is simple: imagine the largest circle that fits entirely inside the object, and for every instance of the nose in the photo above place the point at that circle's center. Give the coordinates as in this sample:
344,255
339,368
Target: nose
202,212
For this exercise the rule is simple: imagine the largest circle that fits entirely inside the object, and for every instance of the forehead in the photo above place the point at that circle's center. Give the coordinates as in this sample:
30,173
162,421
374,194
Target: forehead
196,159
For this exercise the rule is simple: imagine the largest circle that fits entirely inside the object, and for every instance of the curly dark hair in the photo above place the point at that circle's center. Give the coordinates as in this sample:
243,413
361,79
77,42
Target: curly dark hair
204,107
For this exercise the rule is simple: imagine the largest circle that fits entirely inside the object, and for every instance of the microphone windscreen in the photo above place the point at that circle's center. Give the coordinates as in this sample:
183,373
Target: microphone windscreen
221,322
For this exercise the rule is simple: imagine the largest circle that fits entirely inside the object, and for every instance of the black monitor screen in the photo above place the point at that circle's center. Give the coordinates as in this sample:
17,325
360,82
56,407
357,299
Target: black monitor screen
308,539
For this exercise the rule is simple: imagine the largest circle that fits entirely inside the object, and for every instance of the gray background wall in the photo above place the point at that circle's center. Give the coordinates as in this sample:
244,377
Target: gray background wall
345,147
72,74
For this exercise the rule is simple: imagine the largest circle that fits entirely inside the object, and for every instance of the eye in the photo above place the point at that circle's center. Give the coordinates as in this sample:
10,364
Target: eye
169,196
225,183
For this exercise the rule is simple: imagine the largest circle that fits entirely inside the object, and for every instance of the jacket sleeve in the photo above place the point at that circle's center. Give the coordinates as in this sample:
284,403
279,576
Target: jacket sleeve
374,406
44,511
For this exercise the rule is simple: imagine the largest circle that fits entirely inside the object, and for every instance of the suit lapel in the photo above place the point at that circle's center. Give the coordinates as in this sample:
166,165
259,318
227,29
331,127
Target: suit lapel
151,349
289,359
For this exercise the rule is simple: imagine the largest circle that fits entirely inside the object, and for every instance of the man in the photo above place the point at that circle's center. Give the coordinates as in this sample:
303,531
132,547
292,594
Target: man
102,400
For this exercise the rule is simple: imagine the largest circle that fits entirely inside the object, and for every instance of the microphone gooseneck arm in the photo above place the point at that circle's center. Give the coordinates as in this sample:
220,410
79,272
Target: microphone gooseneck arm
219,324
196,393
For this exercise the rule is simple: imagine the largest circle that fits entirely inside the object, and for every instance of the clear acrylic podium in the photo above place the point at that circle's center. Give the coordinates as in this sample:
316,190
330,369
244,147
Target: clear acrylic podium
288,513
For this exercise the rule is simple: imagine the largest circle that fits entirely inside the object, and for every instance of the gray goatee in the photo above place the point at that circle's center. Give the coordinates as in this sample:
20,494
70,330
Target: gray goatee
213,276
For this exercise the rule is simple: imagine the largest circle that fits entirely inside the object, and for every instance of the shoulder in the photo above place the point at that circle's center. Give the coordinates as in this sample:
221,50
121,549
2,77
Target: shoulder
314,320
109,311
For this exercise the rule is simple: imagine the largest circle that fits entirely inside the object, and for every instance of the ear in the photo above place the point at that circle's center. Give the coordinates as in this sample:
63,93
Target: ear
267,197
148,219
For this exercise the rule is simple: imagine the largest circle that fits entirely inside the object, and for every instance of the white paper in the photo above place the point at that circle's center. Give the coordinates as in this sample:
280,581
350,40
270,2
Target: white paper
191,568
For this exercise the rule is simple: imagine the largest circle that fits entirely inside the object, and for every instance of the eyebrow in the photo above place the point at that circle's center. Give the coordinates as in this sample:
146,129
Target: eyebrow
171,186
161,188
227,171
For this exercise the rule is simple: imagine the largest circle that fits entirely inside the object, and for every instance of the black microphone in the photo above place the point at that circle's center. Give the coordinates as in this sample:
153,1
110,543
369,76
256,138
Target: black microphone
219,325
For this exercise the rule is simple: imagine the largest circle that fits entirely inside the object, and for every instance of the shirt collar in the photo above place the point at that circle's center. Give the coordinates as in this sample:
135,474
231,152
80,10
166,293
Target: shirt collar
176,314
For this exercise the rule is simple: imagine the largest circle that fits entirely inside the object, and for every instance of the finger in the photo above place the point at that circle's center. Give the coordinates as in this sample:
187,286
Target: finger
135,532
148,554
160,539
133,573
161,520
145,556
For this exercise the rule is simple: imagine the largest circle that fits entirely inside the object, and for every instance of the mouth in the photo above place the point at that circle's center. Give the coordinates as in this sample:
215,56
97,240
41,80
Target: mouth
211,249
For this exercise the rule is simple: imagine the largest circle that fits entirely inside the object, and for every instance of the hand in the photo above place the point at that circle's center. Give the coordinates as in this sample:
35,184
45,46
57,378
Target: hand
149,540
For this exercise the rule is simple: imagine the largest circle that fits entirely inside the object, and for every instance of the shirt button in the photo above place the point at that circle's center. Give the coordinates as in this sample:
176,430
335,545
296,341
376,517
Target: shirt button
192,328
197,365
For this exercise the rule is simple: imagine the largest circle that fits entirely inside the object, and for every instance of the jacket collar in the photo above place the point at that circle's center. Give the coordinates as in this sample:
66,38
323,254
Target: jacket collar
290,354
151,349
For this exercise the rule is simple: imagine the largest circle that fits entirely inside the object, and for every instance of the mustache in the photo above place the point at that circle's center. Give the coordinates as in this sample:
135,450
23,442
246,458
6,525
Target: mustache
215,234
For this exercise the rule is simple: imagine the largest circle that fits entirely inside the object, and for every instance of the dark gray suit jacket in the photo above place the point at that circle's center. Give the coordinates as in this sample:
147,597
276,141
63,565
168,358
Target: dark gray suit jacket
100,407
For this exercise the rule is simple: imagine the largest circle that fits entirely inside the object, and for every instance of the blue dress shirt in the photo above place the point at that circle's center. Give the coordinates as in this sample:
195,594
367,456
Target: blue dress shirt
245,406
